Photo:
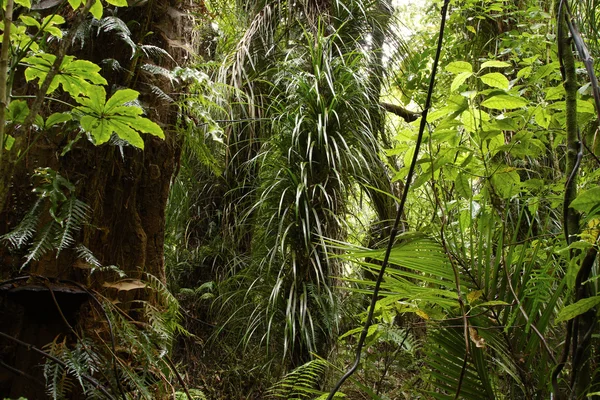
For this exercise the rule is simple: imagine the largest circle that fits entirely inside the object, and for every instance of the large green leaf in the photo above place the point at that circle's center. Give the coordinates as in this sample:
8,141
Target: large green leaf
496,80
102,118
504,102
459,80
578,308
75,76
457,67
587,201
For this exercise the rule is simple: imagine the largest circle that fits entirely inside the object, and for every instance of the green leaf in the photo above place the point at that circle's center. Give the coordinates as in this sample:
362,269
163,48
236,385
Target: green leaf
578,308
542,117
119,98
525,72
118,3
457,67
75,76
585,107
504,102
555,93
459,80
97,128
546,70
492,303
587,201
96,10
125,132
507,183
102,118
24,3
142,124
495,79
8,142
463,186
18,111
494,64
76,3
58,118
29,21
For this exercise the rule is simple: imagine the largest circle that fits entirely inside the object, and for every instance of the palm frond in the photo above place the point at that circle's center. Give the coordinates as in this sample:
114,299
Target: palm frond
445,355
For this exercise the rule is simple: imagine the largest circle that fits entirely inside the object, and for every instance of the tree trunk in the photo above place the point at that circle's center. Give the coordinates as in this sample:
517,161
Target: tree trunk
126,189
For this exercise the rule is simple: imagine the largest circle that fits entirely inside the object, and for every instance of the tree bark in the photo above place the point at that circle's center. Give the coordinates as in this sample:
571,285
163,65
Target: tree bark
126,190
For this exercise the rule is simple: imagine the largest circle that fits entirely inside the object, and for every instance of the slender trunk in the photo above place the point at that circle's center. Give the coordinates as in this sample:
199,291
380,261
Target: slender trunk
582,325
4,90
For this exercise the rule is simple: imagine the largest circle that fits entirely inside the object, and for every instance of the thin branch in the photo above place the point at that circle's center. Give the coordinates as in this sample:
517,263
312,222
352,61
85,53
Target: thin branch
21,373
407,115
179,378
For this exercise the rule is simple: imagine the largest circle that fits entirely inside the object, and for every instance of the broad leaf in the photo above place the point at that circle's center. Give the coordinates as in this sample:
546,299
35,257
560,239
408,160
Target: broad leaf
587,201
58,118
18,111
578,308
494,64
457,67
118,3
75,76
495,79
24,3
459,80
101,118
504,102
96,10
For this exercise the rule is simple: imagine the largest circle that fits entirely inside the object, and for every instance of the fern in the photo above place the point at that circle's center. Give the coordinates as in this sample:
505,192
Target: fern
445,356
155,51
45,241
23,232
86,255
157,70
161,94
117,25
73,215
57,381
113,64
301,383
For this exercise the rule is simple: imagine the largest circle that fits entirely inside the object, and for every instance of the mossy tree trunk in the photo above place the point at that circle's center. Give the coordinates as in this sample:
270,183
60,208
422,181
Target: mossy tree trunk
126,190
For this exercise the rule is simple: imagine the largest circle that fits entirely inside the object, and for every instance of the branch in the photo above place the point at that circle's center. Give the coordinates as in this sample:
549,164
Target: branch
400,111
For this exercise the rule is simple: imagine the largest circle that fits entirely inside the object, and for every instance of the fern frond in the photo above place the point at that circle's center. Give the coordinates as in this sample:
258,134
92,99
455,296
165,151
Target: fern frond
72,216
117,25
150,51
157,70
301,383
112,23
83,31
86,255
112,64
23,232
45,241
445,354
57,380
161,94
